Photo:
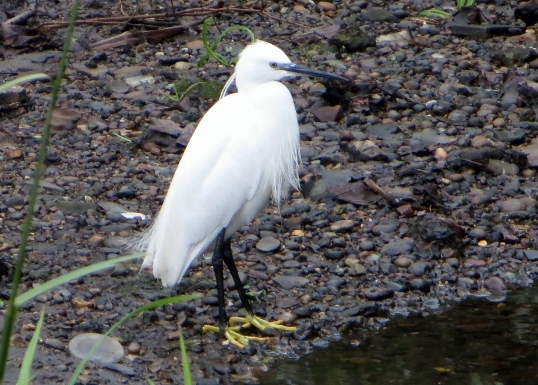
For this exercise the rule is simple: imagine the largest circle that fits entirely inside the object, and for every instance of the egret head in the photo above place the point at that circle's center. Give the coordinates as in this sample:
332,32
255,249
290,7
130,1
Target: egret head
262,62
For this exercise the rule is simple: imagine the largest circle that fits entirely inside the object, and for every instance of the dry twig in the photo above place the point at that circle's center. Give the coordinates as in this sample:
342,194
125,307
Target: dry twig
390,197
202,11
22,17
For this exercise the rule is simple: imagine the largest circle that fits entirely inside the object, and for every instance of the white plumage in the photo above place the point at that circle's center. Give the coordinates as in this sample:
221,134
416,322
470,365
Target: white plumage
244,149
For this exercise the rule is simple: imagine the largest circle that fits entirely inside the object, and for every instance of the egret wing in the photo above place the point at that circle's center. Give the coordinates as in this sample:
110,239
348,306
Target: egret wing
220,173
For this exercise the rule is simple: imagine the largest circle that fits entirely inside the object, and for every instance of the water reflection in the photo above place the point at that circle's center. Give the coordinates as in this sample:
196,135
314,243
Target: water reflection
476,343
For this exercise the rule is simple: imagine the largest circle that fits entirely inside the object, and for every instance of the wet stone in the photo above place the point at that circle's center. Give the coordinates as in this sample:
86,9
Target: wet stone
511,205
385,228
290,281
209,381
419,268
395,286
498,167
304,312
118,86
133,348
336,282
334,254
367,245
54,343
478,233
470,263
403,262
357,269
398,246
124,370
376,294
494,284
382,130
291,264
222,369
531,255
419,284
268,244
458,116
343,225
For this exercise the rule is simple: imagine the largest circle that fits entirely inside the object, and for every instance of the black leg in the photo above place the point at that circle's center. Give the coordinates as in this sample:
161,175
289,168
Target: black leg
229,261
218,267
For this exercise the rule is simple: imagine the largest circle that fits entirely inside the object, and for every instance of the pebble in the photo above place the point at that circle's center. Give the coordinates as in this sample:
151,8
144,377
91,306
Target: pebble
54,343
134,348
511,205
290,281
418,268
375,294
420,284
494,285
470,263
326,6
268,244
109,351
531,255
398,246
343,225
478,233
367,245
498,167
402,262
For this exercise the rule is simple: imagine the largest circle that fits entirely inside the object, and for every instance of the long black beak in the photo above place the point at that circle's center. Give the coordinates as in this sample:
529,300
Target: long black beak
294,68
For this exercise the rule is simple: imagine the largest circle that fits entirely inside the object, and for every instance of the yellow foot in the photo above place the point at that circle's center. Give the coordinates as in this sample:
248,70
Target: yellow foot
237,324
260,323
233,336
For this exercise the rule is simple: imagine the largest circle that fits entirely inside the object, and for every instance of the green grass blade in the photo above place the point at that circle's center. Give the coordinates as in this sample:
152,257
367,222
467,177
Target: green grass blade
24,79
465,3
32,293
211,48
25,375
148,306
187,378
236,28
434,13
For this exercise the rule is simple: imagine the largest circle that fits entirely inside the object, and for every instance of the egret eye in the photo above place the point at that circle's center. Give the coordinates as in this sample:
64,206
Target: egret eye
273,65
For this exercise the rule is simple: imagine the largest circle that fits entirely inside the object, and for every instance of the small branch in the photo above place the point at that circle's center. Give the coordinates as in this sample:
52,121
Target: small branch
21,18
390,197
203,11
134,37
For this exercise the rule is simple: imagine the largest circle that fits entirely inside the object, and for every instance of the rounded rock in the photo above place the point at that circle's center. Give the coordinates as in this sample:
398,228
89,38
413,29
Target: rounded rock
109,351
268,244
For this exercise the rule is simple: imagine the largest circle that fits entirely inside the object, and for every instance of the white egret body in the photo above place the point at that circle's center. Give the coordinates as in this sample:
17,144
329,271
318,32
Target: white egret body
245,149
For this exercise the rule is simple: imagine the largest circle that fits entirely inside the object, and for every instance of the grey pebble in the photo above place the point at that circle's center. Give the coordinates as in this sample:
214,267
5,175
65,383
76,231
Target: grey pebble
478,233
377,294
268,244
54,343
418,268
367,245
398,246
290,281
531,255
494,284
291,264
420,284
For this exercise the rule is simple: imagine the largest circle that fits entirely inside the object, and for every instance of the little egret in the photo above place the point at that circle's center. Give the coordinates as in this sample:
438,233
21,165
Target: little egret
245,149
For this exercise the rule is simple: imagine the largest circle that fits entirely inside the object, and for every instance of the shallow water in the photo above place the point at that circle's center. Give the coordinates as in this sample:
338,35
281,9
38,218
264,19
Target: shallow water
476,343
